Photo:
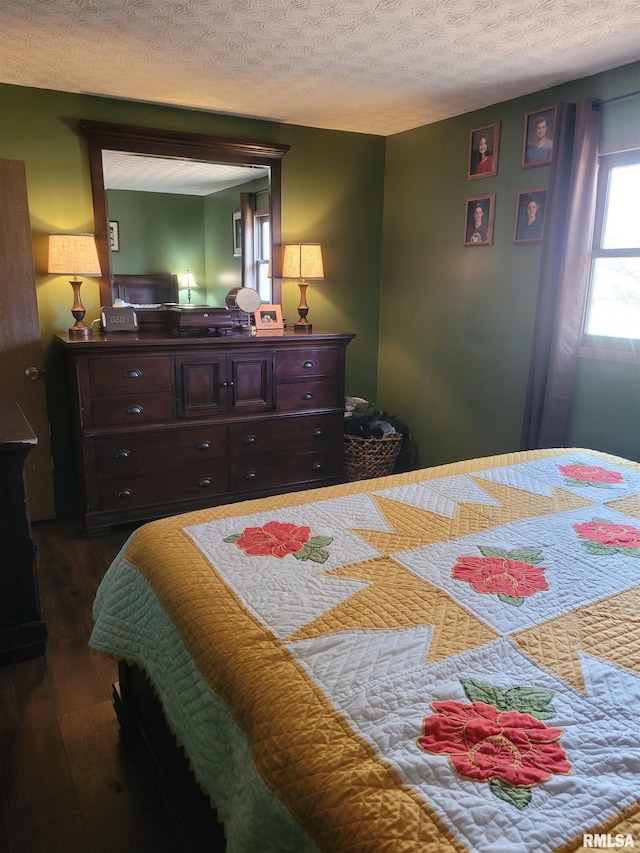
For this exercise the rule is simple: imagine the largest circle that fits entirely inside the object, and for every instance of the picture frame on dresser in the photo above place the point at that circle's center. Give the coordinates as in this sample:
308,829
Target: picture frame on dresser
268,318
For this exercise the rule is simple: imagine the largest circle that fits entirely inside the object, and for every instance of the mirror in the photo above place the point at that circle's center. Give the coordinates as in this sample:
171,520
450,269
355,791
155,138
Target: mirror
106,140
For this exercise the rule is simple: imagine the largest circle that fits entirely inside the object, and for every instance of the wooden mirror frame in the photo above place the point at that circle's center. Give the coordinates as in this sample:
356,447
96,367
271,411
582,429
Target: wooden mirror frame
193,146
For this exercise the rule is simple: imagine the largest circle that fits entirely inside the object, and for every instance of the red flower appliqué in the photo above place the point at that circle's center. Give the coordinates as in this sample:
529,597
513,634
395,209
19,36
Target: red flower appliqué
275,538
500,576
612,535
484,743
590,474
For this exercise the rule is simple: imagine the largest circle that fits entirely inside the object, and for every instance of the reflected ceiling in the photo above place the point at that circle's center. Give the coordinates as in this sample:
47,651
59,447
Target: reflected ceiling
143,173
374,66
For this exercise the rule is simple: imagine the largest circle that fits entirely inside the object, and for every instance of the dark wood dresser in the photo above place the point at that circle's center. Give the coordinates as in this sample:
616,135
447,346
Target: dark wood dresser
168,424
22,632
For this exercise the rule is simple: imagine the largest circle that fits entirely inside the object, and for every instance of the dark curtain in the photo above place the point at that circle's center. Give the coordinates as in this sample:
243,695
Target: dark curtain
564,275
248,220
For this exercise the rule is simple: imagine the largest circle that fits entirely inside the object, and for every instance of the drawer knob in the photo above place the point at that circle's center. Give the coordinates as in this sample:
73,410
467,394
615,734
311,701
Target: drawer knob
134,373
317,432
307,396
204,445
226,384
251,476
122,454
307,364
317,466
134,410
125,493
204,482
250,439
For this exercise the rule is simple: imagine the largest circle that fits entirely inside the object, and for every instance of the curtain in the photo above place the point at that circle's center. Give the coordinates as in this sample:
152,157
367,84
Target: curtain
564,275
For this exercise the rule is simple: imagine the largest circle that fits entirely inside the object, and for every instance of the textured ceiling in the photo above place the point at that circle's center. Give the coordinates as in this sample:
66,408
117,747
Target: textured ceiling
374,66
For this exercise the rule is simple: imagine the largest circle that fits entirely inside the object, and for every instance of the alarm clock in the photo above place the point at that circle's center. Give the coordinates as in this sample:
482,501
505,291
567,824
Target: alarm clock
122,319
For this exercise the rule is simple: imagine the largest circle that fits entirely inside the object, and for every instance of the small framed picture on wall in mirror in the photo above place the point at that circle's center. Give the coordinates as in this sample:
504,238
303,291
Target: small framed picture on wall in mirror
114,235
483,151
539,133
236,225
478,228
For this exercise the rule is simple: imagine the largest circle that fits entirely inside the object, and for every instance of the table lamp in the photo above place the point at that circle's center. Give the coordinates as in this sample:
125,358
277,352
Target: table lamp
302,261
74,254
188,283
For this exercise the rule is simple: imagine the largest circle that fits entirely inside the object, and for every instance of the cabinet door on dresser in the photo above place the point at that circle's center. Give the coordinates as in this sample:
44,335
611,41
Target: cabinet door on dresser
210,383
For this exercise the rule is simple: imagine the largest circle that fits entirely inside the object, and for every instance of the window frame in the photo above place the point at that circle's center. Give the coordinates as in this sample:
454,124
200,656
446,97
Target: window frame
608,348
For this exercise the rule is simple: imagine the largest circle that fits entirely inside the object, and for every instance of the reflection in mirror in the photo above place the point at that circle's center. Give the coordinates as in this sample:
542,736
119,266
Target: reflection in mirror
175,198
175,215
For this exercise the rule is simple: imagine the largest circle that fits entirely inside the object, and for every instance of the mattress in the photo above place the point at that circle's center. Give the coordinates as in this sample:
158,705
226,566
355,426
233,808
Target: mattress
442,660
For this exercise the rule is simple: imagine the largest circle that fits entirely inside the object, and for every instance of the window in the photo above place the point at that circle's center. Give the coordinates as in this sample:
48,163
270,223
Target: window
262,233
613,310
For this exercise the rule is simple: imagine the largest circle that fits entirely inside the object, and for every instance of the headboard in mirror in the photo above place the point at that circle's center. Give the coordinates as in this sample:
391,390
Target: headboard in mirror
145,289
184,146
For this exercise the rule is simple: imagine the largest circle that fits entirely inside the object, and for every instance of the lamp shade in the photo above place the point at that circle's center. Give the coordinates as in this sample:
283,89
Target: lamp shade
302,260
73,254
188,281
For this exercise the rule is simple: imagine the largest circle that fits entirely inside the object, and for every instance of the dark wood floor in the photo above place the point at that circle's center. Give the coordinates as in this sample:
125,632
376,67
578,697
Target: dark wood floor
67,783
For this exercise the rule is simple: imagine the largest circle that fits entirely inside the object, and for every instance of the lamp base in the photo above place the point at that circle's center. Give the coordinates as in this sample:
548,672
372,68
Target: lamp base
83,333
302,326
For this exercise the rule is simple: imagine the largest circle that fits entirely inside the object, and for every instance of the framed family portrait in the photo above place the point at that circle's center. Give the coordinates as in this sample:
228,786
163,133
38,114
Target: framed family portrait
236,225
268,318
483,151
530,210
539,133
114,235
478,224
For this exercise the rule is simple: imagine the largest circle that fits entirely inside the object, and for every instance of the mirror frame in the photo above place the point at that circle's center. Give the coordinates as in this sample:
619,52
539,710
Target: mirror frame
191,146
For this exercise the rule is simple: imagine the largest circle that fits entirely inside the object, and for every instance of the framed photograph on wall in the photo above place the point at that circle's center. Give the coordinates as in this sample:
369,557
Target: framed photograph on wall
539,132
530,211
268,318
478,223
483,151
236,225
114,235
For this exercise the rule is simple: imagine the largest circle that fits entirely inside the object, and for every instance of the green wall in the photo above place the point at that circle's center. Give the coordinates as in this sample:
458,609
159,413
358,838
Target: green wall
159,232
456,322
332,189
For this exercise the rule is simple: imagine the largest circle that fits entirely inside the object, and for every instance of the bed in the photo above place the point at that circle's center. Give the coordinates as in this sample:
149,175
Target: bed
441,660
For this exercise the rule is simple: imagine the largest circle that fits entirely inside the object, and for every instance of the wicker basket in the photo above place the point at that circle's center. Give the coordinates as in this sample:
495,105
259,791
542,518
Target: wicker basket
365,458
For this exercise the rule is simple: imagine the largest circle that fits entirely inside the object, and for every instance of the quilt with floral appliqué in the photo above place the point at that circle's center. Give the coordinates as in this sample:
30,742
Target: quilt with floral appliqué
442,660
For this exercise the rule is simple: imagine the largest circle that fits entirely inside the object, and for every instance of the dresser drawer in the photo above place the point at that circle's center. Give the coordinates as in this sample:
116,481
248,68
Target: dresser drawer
132,409
151,452
260,473
311,394
312,362
296,434
185,482
131,373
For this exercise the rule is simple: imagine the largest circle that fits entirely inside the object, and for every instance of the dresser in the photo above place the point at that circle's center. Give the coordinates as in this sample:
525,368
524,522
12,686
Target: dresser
165,424
22,632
